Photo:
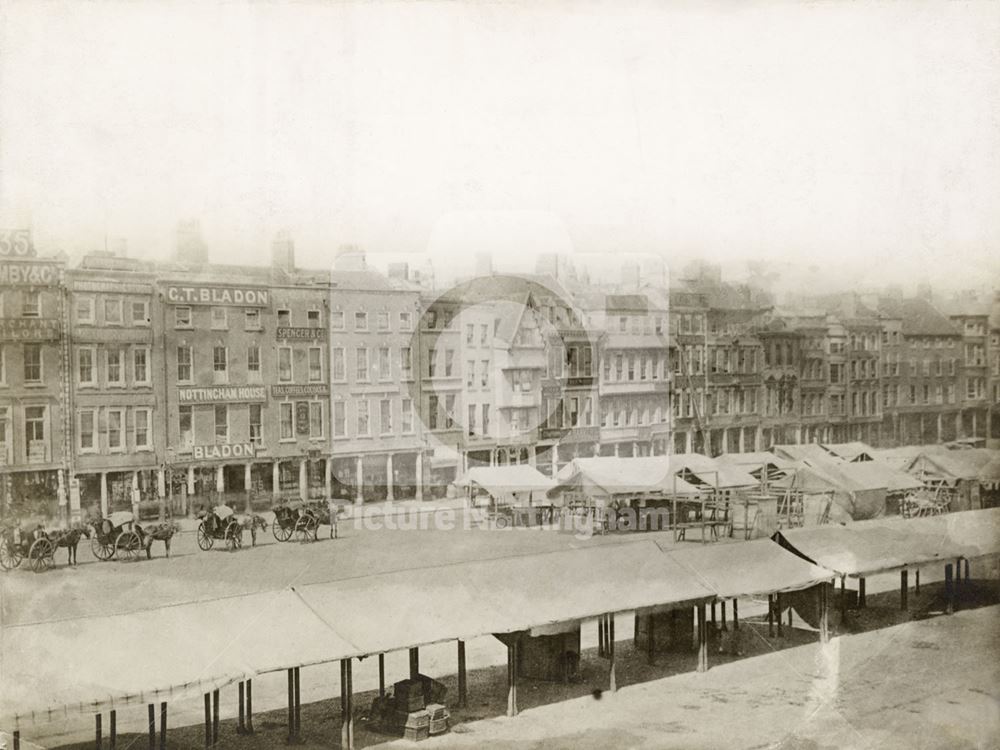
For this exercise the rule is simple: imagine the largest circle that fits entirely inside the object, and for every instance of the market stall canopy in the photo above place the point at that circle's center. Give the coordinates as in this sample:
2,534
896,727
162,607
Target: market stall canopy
869,547
803,452
989,475
503,480
853,451
952,465
612,475
92,664
879,474
712,472
749,568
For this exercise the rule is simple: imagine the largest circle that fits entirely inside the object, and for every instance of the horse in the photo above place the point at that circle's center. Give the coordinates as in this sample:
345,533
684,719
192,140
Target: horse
161,532
70,539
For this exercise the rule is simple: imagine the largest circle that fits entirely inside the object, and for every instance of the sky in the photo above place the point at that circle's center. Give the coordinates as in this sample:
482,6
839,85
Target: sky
861,140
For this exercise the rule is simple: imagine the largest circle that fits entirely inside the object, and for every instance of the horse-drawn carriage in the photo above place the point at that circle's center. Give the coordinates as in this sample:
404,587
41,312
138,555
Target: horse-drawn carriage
17,544
302,520
220,524
119,536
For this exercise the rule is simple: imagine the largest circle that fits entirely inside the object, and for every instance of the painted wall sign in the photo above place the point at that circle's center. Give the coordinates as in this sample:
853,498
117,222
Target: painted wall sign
218,295
302,417
232,394
29,329
236,450
317,389
14,273
16,243
310,334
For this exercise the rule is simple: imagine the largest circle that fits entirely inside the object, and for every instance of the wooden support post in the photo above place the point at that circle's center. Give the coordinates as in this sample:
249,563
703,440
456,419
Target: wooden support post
215,717
650,639
600,635
381,676
240,726
291,708
163,725
612,682
512,679
824,613
17,739
777,614
702,640
917,587
843,598
97,731
249,726
958,572
770,615
347,706
635,629
298,705
151,729
949,589
713,615
462,687
208,720
862,593
966,571
723,615
414,663
113,728
904,588
736,614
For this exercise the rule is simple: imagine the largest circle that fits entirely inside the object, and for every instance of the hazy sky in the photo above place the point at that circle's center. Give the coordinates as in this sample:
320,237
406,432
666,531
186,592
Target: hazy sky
863,137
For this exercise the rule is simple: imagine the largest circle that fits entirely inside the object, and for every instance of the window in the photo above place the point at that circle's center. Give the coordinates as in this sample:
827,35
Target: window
337,320
432,412
32,363
385,416
220,364
184,364
256,424
114,366
221,423
140,312
220,318
339,368
486,419
31,304
286,417
484,376
185,426
360,321
251,319
405,321
470,336
284,318
315,364
406,362
315,419
362,416
85,310
113,311
284,364
406,415
472,420
182,317
253,361
312,318
470,372
140,365
86,372
484,334
116,425
449,411
86,429
361,364
3,365
140,429
449,315
383,321
431,362
384,364
339,419
430,318
449,361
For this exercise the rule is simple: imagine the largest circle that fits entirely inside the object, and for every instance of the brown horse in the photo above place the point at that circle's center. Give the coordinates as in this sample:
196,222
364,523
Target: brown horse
162,532
70,539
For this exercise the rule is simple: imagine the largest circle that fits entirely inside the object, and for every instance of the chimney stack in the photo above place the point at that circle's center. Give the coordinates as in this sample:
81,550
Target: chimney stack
283,251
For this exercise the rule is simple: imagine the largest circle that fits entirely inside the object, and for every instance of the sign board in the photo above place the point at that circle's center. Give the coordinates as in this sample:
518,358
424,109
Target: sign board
16,243
28,273
235,450
218,295
231,394
307,334
302,417
29,329
316,389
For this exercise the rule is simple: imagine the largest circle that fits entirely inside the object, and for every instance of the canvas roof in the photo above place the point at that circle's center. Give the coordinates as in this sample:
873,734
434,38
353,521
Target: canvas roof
881,545
850,451
952,464
713,472
749,568
750,461
623,475
500,480
990,473
802,452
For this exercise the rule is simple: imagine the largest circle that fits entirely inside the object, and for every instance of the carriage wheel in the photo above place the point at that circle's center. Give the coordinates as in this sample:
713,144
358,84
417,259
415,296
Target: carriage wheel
9,556
205,542
281,533
306,528
40,555
102,550
127,546
234,537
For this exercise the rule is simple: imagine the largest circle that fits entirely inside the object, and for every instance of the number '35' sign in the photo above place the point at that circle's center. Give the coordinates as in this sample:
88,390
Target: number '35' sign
16,243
